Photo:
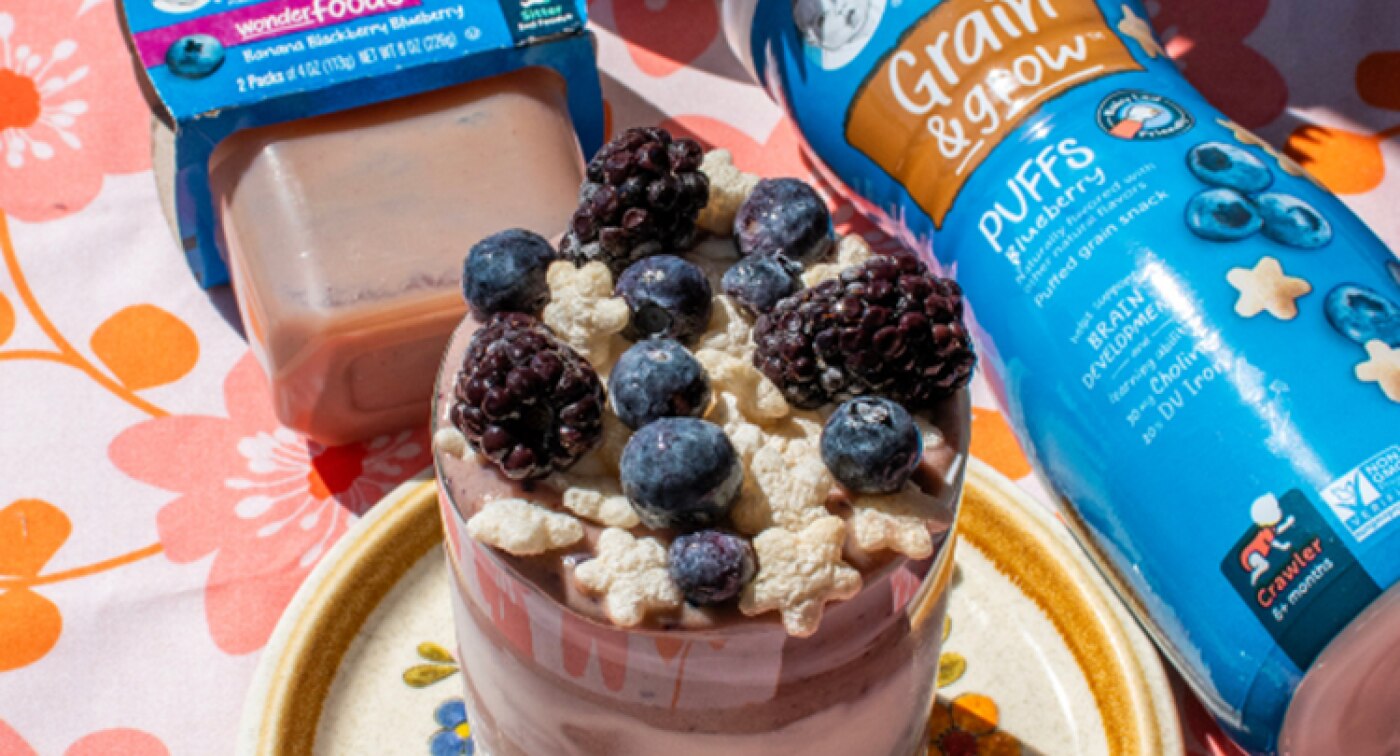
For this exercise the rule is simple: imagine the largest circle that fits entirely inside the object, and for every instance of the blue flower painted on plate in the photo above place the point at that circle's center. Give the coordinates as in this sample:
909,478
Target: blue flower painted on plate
455,737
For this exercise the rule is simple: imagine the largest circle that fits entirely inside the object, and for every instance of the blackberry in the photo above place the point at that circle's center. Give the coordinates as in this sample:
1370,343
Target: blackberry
886,328
643,192
526,400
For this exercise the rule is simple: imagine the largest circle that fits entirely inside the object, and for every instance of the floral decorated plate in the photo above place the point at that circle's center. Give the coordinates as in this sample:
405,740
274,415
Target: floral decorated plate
1038,657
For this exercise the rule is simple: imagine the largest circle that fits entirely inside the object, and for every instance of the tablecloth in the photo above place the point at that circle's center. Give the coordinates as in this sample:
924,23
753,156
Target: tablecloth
155,519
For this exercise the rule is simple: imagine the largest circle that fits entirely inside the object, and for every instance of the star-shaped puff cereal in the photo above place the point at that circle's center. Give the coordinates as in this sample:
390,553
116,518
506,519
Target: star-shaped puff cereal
786,485
1265,287
851,250
759,399
746,437
630,574
798,573
728,330
595,498
604,459
451,442
897,521
1383,368
523,528
1245,136
583,312
729,187
1134,27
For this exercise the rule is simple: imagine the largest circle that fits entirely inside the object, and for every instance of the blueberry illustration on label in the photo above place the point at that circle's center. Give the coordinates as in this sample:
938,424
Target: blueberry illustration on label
179,6
1289,220
1229,166
1363,315
1222,215
195,56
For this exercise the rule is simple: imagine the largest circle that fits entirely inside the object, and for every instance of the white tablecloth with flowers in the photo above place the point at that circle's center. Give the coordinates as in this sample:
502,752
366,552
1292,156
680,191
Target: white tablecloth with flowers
155,519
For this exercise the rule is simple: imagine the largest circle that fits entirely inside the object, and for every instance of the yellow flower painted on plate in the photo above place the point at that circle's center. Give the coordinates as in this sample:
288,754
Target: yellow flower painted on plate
967,726
440,665
951,666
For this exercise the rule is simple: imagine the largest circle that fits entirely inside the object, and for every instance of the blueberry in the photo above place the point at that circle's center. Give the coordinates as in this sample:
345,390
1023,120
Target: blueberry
1229,166
668,297
1361,315
711,566
871,445
681,473
506,272
1289,220
783,217
657,378
195,56
758,282
1221,215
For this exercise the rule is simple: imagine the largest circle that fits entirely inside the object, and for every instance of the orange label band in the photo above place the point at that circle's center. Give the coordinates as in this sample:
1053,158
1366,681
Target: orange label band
964,77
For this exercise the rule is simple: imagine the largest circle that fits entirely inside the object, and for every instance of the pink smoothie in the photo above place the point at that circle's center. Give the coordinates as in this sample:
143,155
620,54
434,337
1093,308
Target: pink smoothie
1349,700
345,235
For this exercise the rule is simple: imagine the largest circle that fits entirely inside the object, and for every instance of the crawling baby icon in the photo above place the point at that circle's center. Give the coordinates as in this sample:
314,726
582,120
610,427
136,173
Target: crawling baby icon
1268,515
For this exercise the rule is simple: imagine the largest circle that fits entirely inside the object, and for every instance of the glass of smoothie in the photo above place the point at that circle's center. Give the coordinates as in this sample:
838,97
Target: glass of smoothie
585,620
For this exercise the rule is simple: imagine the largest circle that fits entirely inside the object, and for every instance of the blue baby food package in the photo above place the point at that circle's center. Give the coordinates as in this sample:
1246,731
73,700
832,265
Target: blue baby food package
217,66
1199,346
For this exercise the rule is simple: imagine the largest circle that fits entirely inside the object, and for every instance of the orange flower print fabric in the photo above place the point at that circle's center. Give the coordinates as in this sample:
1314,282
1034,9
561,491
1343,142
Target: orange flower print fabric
31,532
265,502
1345,161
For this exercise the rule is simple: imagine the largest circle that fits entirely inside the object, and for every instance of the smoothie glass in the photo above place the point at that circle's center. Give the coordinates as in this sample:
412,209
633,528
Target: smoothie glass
544,675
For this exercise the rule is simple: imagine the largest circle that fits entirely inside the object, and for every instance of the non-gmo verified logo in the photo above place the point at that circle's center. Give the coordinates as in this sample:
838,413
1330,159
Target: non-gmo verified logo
1133,114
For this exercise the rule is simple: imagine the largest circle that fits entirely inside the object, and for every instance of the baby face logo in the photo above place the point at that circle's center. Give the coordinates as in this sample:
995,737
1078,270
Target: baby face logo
1268,540
1296,575
836,31
1138,115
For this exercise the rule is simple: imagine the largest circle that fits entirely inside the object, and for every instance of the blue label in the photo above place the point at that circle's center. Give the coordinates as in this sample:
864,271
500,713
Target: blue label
223,65
1179,321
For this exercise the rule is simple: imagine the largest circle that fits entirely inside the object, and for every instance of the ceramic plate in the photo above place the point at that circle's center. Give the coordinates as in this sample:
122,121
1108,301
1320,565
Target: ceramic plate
1038,658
